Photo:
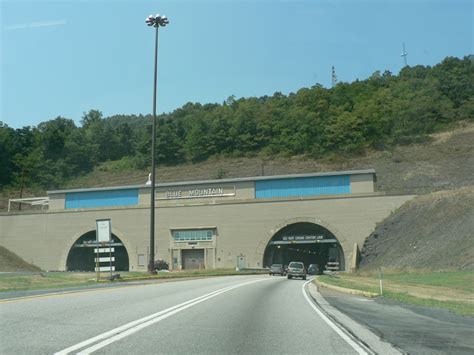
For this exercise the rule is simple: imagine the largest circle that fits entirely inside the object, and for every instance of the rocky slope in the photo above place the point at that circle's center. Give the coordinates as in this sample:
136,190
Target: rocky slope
431,232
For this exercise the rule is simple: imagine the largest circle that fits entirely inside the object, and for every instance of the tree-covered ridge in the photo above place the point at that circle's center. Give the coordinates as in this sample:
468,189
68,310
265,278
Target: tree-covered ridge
380,111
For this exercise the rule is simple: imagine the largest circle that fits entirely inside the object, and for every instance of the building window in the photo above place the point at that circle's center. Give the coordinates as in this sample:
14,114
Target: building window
193,235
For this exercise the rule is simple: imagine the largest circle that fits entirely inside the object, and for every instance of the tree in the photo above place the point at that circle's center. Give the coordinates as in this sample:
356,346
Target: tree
169,149
198,142
54,134
90,118
7,150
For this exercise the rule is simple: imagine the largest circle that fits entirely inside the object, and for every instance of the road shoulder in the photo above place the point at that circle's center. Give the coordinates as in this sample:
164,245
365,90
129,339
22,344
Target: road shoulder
363,334
412,329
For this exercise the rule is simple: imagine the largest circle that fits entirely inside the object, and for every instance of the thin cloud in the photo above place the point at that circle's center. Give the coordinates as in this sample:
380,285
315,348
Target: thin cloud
21,26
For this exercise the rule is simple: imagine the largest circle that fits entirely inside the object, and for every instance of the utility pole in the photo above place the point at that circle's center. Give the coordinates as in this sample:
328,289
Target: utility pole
21,186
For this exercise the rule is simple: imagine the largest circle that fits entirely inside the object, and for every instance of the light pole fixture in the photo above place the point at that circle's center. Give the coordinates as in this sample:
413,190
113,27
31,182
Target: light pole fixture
156,21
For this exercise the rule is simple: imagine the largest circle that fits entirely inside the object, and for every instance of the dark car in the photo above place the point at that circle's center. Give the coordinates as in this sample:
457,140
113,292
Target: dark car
161,265
313,269
277,269
296,269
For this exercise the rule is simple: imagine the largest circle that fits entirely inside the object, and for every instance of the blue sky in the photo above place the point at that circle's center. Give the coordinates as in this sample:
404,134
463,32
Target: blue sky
62,58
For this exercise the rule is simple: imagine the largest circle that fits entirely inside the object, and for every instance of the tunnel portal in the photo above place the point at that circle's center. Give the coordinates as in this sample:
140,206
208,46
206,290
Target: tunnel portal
82,256
306,242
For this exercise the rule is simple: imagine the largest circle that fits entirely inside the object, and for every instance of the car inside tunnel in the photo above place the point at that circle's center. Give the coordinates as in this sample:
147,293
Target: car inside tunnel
82,255
308,243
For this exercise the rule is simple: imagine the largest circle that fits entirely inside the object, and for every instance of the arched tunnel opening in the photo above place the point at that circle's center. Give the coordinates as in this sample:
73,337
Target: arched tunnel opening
306,242
82,256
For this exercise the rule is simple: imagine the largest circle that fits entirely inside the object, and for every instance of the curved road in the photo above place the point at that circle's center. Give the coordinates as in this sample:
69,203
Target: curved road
221,315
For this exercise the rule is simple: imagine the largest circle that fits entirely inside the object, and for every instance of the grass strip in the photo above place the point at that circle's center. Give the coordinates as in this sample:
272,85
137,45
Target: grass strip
337,281
461,308
458,280
43,281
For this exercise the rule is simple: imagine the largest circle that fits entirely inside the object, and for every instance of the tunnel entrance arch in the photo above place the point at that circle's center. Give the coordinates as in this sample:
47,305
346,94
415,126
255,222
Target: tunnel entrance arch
82,256
306,242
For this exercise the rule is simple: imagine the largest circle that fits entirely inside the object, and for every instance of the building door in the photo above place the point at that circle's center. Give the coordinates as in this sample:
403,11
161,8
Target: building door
193,258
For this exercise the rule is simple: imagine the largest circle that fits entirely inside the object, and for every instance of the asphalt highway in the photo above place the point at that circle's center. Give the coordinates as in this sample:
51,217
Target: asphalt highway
222,315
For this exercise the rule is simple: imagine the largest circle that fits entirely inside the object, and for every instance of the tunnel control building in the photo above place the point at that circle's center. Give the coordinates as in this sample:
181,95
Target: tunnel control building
320,218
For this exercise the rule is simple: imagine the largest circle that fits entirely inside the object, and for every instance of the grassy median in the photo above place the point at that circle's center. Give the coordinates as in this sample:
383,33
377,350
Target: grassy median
449,290
50,280
44,280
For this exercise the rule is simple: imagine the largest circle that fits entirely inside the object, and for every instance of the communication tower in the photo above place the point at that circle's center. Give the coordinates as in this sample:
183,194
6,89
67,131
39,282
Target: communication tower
333,76
404,55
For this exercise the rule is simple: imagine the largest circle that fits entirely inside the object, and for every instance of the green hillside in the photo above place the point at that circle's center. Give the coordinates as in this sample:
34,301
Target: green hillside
443,161
350,120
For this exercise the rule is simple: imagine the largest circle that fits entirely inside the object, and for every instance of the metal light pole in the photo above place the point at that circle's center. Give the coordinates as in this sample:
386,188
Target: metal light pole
156,21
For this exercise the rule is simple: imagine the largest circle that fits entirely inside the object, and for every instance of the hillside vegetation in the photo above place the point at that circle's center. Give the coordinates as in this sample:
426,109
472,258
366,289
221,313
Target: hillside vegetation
443,161
349,120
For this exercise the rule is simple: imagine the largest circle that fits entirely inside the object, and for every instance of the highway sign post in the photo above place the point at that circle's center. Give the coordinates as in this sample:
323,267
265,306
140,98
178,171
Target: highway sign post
103,237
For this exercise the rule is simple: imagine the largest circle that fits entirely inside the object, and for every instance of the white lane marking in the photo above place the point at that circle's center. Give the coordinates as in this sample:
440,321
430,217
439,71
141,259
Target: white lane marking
338,330
132,327
129,325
